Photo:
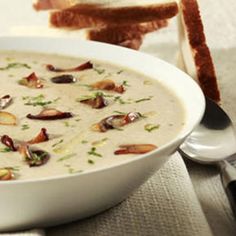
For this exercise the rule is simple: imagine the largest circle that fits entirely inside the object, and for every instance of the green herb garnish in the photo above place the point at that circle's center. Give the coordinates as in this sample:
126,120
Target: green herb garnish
147,82
151,127
84,141
120,100
37,101
66,157
119,72
15,65
71,170
59,142
120,112
125,83
66,123
93,152
99,70
99,142
6,149
143,99
91,161
25,127
93,96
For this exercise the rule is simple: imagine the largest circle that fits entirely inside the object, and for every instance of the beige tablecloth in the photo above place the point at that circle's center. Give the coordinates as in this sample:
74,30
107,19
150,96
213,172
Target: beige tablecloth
169,203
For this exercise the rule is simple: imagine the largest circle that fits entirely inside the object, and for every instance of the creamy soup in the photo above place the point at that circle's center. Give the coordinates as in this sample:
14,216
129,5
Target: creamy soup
62,115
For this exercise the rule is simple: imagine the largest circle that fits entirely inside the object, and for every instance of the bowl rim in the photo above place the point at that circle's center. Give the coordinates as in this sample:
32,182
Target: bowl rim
27,42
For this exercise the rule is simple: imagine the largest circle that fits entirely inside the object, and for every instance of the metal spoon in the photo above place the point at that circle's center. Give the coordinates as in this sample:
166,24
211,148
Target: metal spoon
213,141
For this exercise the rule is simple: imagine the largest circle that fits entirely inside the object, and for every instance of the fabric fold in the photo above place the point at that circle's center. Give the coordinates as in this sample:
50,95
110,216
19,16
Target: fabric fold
165,205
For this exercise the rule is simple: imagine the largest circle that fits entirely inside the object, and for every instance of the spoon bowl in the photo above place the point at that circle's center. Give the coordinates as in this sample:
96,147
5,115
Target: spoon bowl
213,139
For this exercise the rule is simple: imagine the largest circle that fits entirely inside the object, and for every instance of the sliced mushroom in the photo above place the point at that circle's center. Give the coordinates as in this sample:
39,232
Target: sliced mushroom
7,118
50,114
32,81
84,66
64,79
6,174
96,102
5,101
41,137
116,121
7,141
34,157
14,145
109,85
135,149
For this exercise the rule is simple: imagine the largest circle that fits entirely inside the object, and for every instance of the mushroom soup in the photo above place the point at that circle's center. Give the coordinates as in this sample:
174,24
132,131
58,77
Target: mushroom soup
62,115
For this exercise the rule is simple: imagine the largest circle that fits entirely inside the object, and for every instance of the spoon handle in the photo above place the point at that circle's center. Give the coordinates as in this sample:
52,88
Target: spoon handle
228,177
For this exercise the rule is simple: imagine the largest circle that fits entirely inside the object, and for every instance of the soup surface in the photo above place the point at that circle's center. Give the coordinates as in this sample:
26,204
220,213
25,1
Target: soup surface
62,115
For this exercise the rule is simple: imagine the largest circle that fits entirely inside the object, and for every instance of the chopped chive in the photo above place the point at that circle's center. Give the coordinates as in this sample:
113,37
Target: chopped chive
66,157
84,141
37,101
15,65
71,170
147,82
92,96
66,123
91,161
99,71
6,149
143,99
120,100
93,152
99,142
125,83
151,127
25,127
59,142
119,72
120,112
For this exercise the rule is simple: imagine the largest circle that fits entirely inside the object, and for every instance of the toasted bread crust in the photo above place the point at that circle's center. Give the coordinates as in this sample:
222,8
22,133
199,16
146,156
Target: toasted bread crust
83,16
203,61
125,35
206,73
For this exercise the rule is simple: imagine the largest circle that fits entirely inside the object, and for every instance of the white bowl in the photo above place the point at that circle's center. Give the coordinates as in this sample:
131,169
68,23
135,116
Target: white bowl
46,202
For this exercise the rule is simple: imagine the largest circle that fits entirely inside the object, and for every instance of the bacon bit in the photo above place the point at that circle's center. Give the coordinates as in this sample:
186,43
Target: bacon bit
135,149
50,114
109,85
84,66
7,118
5,101
6,174
115,121
64,79
41,137
98,102
6,140
31,81
34,157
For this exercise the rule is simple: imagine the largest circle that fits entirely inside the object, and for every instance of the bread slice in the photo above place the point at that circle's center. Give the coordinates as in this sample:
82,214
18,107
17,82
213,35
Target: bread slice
130,36
195,52
124,34
113,13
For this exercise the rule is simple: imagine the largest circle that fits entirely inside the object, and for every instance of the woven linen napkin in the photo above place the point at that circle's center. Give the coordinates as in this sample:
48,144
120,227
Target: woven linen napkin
165,205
